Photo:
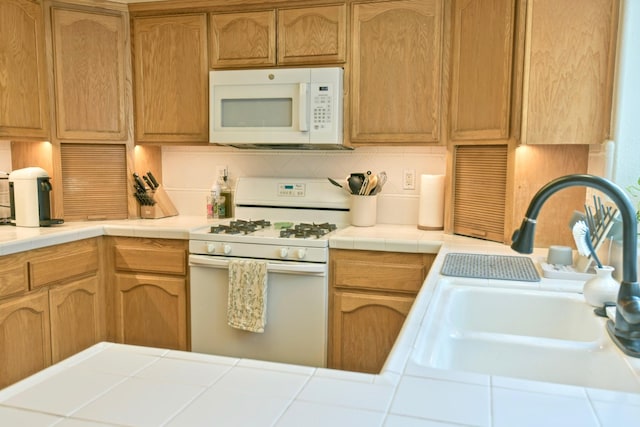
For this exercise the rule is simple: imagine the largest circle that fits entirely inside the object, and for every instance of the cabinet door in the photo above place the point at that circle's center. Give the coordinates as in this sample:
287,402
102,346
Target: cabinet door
171,78
483,32
569,65
89,64
396,71
313,35
25,346
365,327
151,310
243,39
76,317
24,110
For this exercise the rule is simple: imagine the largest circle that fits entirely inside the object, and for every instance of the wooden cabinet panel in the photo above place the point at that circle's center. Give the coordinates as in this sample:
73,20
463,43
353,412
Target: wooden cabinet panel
483,34
366,329
371,293
396,63
49,266
24,98
569,64
76,317
25,346
151,310
312,35
158,260
242,39
14,275
374,270
89,73
171,78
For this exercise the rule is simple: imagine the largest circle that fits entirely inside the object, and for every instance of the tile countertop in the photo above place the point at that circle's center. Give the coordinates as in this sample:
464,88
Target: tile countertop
114,384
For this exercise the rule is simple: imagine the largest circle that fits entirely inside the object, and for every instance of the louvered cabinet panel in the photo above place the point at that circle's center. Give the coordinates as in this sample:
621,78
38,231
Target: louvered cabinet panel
480,188
92,192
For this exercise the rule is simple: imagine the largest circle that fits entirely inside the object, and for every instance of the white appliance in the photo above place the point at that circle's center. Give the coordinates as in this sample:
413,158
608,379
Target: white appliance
29,196
297,286
299,108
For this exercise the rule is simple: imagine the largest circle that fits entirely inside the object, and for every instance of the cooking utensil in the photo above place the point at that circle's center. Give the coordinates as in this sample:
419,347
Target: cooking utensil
382,179
148,182
153,179
365,185
334,182
139,182
373,182
355,181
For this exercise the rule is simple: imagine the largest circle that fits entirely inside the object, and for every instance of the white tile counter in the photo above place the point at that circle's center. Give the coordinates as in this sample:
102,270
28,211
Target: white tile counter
18,239
112,384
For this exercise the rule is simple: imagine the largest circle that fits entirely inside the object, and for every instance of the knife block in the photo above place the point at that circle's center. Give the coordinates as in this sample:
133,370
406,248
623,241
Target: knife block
163,207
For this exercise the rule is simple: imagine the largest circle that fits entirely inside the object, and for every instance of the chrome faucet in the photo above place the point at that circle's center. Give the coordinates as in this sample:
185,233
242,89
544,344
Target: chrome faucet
625,332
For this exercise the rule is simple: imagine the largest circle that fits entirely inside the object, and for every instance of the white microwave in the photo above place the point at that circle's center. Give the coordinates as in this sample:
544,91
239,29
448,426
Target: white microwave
299,108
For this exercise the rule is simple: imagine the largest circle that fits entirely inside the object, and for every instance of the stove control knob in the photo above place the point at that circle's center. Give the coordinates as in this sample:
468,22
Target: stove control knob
284,252
226,249
211,248
302,252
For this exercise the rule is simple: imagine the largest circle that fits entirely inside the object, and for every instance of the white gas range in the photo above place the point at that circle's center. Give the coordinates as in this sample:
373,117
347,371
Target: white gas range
285,223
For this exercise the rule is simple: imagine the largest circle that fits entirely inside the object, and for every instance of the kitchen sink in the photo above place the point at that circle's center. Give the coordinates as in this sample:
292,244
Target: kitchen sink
530,334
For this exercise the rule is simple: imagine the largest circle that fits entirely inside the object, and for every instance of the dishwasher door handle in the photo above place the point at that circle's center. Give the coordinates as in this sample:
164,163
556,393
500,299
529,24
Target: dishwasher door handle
272,267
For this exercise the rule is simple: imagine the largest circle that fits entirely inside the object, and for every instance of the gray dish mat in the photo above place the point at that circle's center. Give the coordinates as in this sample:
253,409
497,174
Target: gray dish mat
481,266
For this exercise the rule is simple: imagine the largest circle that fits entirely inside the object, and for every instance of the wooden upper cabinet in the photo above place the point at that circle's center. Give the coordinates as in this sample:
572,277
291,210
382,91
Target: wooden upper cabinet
89,68
482,56
171,78
569,65
312,35
241,39
24,110
396,63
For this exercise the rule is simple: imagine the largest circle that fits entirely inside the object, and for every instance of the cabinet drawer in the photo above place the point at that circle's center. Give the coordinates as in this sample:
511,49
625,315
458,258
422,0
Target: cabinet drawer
78,261
394,271
155,260
13,275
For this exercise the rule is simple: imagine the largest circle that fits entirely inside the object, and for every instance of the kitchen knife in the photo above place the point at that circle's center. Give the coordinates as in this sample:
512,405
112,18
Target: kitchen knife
139,182
153,179
148,181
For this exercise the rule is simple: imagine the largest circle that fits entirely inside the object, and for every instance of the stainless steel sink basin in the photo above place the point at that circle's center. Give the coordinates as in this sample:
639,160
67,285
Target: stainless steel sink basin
531,334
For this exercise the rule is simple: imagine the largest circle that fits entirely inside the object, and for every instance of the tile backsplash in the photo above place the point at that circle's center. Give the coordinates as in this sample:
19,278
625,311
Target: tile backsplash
188,172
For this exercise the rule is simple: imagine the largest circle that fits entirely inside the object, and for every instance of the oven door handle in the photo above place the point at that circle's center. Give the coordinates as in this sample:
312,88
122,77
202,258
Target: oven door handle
272,267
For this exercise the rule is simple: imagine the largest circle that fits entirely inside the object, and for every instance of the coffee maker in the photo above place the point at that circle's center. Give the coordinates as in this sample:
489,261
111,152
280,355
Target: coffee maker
29,198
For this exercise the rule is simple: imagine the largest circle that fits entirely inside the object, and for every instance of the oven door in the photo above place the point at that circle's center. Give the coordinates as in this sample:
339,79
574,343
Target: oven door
296,329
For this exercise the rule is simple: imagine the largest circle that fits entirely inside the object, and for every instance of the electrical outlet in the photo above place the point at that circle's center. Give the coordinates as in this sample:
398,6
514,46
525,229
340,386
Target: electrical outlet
221,171
409,179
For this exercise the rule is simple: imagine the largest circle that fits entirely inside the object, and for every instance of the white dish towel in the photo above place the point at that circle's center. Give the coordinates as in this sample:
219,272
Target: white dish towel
247,302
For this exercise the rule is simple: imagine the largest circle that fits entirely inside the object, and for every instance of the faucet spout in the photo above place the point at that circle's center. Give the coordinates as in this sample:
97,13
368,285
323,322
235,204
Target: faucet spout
625,332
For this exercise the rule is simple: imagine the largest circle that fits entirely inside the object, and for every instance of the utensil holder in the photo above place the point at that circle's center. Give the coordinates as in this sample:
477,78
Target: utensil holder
364,210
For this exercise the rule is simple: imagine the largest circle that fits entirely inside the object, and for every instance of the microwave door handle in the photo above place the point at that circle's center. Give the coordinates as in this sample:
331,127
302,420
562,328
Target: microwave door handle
302,108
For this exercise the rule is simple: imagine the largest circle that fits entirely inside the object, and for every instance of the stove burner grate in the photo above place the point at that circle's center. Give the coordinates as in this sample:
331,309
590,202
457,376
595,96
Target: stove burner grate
240,226
305,230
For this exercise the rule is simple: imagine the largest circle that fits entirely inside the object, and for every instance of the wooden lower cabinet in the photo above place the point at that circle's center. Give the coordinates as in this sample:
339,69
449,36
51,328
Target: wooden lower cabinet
365,328
149,280
151,310
53,311
25,340
76,317
371,294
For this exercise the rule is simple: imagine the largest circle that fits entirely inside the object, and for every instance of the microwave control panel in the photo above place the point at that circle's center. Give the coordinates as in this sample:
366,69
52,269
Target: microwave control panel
322,106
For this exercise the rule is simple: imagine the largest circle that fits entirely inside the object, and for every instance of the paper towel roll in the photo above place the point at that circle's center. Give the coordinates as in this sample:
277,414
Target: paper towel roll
431,208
